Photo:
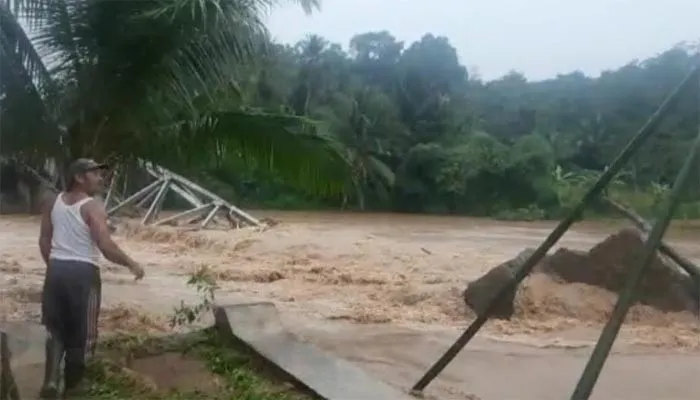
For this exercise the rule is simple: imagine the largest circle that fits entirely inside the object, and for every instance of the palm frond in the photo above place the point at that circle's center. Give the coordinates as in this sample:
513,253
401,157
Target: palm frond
382,171
307,5
151,59
140,78
288,146
218,37
27,125
223,34
17,40
58,37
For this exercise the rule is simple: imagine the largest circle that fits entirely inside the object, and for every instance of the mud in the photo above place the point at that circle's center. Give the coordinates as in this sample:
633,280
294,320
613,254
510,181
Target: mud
609,264
584,285
170,372
381,275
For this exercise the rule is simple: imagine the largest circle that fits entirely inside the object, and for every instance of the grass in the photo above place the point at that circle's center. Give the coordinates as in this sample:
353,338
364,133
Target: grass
238,374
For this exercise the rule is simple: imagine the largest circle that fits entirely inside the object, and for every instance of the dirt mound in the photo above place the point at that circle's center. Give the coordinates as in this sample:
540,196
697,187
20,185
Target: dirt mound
608,264
542,298
584,285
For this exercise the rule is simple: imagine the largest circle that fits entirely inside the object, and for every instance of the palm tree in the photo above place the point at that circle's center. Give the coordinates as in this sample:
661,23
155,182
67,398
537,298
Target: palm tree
153,79
358,121
312,72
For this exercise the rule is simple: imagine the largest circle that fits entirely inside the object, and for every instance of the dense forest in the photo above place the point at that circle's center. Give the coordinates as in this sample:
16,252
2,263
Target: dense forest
375,124
424,135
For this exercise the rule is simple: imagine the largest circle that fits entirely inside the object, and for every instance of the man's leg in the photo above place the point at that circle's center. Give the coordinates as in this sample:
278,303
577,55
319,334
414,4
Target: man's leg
85,307
53,318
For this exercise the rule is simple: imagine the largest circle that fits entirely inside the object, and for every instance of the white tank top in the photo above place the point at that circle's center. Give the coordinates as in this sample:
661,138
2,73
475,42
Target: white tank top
71,235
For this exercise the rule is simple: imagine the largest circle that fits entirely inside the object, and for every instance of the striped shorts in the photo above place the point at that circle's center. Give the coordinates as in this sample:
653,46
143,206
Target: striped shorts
71,304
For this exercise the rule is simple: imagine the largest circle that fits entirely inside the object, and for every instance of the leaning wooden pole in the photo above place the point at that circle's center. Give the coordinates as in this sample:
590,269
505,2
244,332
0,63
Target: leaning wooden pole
625,155
595,364
687,265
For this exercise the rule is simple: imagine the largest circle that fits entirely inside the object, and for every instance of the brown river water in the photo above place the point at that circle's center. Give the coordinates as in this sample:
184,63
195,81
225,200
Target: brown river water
384,290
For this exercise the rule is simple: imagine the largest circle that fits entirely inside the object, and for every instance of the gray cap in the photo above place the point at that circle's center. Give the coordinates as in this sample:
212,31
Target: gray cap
83,165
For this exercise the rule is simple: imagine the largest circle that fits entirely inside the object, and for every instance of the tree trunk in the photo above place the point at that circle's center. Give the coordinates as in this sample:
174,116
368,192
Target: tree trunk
360,198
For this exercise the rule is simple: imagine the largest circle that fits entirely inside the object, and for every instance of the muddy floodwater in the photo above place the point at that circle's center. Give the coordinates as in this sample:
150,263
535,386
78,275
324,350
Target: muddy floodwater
384,291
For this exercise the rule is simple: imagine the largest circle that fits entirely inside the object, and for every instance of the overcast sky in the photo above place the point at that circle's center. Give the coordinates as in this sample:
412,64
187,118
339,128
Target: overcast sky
539,38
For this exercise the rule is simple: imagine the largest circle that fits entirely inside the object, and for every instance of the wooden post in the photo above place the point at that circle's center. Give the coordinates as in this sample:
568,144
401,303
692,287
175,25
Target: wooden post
8,387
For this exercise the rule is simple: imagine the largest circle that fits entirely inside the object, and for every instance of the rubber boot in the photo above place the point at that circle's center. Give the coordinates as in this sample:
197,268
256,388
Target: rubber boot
74,374
52,369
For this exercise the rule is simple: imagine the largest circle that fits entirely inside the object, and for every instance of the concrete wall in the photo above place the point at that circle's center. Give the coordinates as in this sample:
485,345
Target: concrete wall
19,193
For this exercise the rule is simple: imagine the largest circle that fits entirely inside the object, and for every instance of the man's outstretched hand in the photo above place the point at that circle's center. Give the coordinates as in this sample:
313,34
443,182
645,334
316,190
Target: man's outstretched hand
138,271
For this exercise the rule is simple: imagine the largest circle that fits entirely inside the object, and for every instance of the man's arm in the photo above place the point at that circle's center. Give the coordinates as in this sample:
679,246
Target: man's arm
96,219
46,229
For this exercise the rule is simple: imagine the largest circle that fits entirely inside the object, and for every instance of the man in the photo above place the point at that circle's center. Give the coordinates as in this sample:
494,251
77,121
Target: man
73,232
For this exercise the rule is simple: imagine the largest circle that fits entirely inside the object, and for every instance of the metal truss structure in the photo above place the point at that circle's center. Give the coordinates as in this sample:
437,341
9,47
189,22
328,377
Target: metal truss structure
206,207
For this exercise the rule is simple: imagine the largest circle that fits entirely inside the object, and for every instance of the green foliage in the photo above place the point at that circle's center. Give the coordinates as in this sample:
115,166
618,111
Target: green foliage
507,148
205,284
199,87
239,375
152,79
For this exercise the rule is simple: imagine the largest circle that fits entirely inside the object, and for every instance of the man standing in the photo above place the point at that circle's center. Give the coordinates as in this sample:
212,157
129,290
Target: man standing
73,232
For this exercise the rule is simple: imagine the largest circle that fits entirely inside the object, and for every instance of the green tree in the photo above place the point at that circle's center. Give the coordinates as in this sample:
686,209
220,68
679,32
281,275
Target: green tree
160,80
361,122
393,125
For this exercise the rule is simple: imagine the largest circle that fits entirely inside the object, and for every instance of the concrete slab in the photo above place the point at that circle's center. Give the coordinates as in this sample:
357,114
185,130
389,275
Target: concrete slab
259,327
534,368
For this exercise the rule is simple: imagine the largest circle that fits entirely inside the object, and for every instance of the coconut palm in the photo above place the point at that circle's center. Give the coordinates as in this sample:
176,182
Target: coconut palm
358,121
154,79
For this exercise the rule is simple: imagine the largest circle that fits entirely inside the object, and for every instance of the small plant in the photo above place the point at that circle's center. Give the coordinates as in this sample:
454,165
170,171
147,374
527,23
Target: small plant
233,373
205,283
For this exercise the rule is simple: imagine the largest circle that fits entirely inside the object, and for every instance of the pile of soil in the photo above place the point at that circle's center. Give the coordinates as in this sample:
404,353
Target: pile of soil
584,285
